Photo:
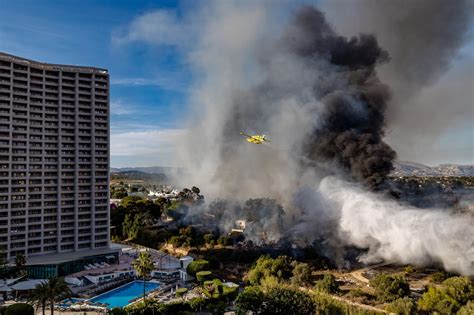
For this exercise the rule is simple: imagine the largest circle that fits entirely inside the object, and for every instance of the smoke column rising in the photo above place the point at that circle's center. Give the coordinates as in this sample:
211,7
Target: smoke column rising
317,96
430,72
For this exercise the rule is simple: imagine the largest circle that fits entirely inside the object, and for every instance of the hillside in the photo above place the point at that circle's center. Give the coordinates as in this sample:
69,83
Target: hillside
134,175
405,168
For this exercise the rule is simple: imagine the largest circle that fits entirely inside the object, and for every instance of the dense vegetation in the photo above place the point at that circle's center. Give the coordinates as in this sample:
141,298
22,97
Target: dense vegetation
389,287
452,296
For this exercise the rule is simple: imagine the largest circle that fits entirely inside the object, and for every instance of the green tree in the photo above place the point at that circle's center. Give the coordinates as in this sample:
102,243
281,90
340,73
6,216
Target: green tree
136,227
285,300
265,266
250,300
197,304
389,287
143,265
467,309
196,266
301,274
20,263
40,296
127,225
328,284
452,295
403,306
209,238
57,290
118,311
129,201
20,309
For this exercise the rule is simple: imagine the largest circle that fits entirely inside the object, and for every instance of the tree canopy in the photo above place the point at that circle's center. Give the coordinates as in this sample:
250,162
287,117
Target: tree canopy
389,287
451,296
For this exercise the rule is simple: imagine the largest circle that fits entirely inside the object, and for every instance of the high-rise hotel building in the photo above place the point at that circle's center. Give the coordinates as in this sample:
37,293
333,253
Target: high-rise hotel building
54,160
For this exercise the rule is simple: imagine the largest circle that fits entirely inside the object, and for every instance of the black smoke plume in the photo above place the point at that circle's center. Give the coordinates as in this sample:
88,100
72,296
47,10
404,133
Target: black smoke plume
349,129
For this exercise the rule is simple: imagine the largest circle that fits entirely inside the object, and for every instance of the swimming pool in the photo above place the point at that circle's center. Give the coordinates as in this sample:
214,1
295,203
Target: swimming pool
123,295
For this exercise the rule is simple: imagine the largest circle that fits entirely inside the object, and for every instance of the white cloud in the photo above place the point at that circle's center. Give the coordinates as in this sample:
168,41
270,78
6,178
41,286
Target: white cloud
160,27
167,81
152,143
118,107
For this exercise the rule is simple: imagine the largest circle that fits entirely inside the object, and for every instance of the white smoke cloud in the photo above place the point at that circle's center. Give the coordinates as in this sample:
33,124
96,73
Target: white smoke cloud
396,233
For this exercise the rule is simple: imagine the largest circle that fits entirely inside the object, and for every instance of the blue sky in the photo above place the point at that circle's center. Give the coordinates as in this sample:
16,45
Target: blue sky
149,84
143,45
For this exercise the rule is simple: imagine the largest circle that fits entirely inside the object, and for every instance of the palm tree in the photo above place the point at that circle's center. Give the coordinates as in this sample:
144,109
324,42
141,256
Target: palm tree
20,262
56,290
40,296
143,265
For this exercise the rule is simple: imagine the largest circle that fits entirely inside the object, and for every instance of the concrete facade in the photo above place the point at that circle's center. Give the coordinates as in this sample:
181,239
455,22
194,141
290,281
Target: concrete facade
54,157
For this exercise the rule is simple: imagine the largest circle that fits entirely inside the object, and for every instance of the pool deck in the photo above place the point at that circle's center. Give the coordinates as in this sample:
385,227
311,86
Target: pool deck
161,260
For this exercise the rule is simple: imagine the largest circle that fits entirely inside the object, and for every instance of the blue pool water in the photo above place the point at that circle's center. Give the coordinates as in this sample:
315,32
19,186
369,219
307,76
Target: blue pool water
121,296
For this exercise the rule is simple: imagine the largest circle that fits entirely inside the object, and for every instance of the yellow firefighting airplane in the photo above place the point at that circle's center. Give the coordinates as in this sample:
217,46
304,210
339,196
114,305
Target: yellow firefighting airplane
257,139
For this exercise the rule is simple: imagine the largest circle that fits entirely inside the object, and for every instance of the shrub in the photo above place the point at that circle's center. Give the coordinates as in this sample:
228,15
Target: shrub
181,291
283,300
389,287
328,284
118,311
213,288
176,241
202,276
278,300
230,292
251,299
197,304
449,298
467,309
217,307
409,269
224,241
301,274
265,266
208,238
357,293
404,306
326,304
177,307
439,276
197,266
20,309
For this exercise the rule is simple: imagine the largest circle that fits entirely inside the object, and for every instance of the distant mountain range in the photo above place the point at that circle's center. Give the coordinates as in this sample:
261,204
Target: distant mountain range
148,169
402,168
138,175
406,168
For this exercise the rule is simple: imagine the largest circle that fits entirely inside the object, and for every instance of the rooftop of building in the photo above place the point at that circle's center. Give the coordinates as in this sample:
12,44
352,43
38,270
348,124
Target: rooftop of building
57,258
52,66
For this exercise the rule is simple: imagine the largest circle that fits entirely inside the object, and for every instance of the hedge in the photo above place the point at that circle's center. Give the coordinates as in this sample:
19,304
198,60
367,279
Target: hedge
202,276
181,291
197,266
20,309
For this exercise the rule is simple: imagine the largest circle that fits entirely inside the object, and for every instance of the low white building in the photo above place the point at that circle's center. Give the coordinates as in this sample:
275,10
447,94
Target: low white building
106,277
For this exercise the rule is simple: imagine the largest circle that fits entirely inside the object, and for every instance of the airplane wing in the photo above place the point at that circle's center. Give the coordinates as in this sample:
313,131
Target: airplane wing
244,134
